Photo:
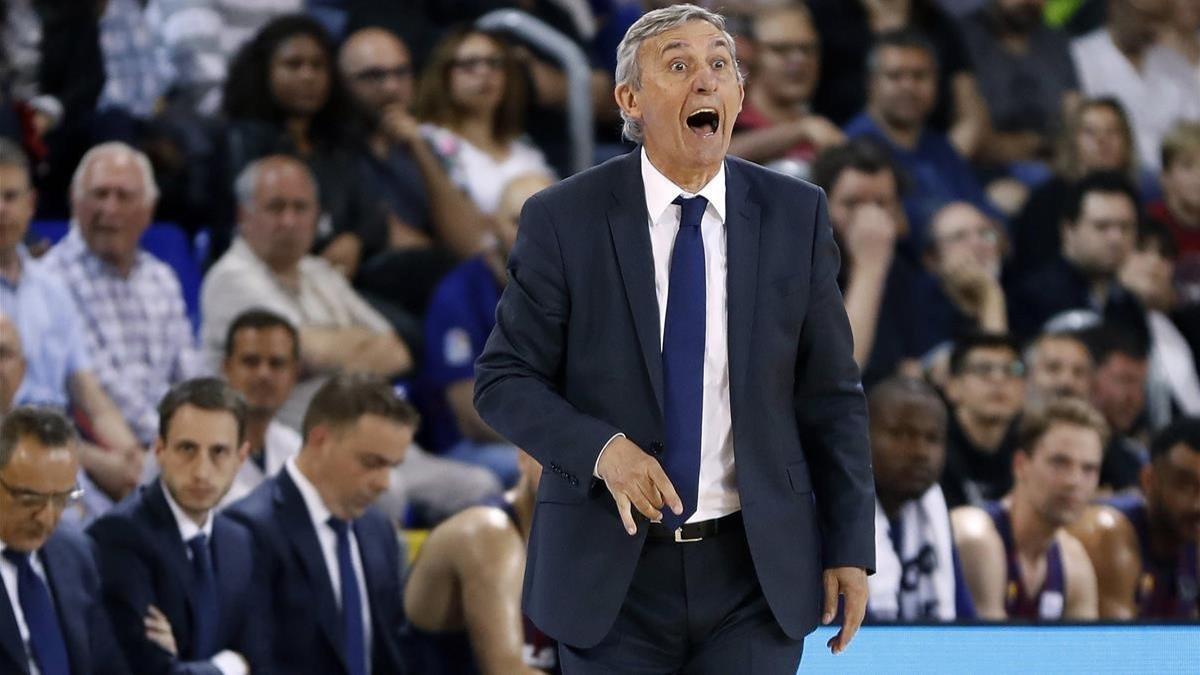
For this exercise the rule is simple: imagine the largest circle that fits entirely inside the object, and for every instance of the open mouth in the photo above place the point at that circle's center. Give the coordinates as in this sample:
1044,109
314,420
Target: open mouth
704,122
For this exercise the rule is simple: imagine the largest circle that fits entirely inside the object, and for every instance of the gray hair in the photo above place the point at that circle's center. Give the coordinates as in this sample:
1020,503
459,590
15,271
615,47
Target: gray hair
247,179
140,160
652,24
46,426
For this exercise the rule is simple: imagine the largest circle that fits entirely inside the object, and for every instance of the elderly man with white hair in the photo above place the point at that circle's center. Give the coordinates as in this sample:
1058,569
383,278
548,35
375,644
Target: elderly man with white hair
132,308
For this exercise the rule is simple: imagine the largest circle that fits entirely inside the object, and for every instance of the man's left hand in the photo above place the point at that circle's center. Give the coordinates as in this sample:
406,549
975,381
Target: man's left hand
850,582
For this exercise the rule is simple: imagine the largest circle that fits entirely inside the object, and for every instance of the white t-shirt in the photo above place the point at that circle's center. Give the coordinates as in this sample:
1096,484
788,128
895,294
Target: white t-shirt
476,172
1164,92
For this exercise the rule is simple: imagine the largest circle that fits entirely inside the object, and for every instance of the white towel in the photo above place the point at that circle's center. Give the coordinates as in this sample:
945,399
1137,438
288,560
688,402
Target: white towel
923,521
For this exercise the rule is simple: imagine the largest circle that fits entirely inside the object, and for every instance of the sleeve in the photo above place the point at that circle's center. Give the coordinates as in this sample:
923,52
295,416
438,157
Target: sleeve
361,311
831,413
73,332
450,348
191,35
139,411
228,292
516,391
188,361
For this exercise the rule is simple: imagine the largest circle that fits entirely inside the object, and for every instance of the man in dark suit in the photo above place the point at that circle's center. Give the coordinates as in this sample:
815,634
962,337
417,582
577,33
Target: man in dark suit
179,578
51,615
332,561
749,403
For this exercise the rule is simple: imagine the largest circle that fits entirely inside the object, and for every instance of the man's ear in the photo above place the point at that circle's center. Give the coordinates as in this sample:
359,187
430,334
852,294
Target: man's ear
627,101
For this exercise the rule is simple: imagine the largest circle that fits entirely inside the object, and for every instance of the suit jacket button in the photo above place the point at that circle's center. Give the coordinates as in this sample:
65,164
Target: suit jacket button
574,481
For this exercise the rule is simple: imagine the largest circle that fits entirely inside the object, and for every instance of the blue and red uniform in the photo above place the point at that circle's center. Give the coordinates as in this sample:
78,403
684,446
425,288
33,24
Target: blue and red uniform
1048,603
1166,589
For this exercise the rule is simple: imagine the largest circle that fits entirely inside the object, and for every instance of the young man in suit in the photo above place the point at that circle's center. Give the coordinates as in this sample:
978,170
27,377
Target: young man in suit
179,578
672,328
332,562
51,615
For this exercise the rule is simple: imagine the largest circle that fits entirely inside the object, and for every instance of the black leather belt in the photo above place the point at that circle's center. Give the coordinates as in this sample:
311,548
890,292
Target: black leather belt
691,532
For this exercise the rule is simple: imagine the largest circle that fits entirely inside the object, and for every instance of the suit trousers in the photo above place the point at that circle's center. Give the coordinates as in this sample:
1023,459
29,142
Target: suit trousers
694,608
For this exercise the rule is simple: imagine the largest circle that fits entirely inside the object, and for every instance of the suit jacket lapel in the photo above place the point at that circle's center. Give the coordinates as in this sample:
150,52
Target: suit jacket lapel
174,551
63,579
10,634
742,238
225,566
374,563
298,529
635,257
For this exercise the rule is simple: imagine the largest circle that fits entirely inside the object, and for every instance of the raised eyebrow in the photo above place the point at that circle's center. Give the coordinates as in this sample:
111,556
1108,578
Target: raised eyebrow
672,45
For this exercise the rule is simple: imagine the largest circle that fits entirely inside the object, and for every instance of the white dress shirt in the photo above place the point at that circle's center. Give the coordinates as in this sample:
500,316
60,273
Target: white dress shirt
8,572
717,494
320,514
227,661
280,443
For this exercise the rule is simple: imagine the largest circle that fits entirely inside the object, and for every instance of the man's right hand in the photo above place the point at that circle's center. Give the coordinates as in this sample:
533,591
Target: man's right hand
635,478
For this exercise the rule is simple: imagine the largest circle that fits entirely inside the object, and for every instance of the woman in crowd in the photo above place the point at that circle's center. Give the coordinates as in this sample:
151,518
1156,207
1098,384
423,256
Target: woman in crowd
1097,137
472,99
284,96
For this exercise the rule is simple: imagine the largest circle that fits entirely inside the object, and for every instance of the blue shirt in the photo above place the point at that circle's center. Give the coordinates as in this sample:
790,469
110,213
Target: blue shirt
461,315
938,175
52,335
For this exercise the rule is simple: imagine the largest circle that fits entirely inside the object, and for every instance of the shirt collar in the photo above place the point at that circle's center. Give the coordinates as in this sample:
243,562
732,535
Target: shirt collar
317,511
187,527
660,191
77,248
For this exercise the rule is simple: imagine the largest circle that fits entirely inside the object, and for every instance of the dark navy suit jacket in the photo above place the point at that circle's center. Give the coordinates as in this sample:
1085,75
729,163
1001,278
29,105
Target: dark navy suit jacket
71,574
307,635
144,561
575,358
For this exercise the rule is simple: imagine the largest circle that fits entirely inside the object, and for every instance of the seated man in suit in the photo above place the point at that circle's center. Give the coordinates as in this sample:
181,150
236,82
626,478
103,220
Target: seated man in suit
179,578
51,617
1019,561
331,560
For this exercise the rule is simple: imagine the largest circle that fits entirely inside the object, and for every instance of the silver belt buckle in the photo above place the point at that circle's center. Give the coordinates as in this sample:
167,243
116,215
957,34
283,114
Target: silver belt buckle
679,536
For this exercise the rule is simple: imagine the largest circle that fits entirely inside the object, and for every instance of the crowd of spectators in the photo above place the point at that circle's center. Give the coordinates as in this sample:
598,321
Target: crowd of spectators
1014,186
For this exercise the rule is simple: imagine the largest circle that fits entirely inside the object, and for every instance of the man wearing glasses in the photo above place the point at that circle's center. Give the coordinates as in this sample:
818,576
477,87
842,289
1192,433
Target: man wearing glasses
986,390
54,623
431,224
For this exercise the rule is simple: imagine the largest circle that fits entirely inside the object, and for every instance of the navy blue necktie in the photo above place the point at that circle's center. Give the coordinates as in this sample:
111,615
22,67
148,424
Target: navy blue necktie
45,634
352,624
683,360
206,608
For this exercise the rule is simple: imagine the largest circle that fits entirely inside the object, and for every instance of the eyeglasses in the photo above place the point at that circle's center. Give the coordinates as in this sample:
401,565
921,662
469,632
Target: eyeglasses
986,369
472,63
987,234
378,75
781,49
36,501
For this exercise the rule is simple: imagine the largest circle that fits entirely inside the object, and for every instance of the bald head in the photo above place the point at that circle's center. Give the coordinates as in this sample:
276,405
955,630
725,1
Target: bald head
12,363
377,69
908,439
277,210
516,192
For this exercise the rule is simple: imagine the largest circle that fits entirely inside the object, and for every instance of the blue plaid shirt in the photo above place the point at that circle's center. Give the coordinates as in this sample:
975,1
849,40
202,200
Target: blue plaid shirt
137,68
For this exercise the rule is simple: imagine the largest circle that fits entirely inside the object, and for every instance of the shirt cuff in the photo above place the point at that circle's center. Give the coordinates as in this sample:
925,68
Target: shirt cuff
595,469
230,663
